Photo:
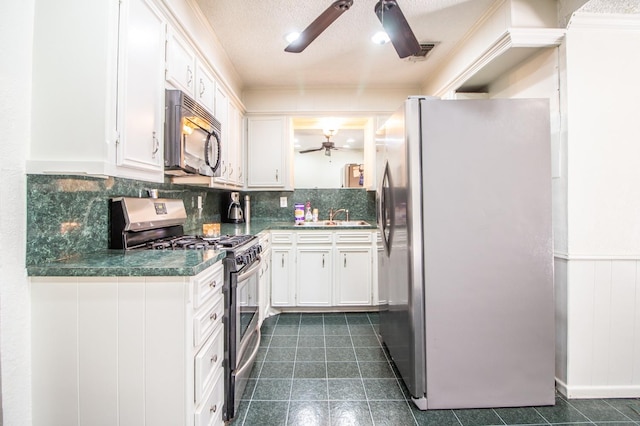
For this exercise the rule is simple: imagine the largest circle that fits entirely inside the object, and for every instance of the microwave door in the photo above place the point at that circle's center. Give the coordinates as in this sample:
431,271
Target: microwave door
200,149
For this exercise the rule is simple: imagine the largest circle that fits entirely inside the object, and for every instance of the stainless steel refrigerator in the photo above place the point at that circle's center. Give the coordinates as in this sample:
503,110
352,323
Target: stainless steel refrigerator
466,264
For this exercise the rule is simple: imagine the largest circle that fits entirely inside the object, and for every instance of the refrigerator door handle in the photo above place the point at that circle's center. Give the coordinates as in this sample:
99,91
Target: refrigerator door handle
386,209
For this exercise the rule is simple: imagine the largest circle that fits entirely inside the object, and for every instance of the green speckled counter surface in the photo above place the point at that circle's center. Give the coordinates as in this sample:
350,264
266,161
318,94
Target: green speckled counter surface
132,263
138,263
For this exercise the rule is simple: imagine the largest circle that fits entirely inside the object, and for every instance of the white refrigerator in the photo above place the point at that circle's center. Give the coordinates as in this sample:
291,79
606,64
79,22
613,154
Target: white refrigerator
466,263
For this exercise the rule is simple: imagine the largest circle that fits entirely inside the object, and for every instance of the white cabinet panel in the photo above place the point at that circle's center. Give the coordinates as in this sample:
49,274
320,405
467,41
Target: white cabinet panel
141,113
186,72
105,113
314,276
120,350
267,153
282,276
353,276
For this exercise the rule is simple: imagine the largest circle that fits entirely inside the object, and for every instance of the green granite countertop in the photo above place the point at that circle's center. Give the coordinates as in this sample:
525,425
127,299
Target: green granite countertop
138,263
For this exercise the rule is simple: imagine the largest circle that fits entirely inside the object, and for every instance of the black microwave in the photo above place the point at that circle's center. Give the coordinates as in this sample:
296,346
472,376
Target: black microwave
192,138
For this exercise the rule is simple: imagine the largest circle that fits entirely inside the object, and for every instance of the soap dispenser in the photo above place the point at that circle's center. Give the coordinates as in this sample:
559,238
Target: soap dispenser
308,216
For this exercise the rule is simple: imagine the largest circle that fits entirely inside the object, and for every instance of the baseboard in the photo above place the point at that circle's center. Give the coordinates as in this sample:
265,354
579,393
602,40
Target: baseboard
585,392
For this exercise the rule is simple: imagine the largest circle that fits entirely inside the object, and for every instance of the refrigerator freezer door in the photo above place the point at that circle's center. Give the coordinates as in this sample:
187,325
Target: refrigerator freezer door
488,256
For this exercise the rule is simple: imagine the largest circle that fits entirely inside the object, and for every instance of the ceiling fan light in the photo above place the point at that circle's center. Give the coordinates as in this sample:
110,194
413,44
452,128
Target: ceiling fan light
291,37
380,37
328,133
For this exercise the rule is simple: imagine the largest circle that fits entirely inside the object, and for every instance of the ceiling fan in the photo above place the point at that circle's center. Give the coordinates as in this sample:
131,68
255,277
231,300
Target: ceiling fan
389,14
327,146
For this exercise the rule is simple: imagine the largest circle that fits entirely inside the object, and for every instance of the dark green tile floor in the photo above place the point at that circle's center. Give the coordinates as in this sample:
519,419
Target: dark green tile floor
330,369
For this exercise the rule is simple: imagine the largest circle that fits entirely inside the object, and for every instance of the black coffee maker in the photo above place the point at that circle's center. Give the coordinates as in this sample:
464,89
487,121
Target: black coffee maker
231,211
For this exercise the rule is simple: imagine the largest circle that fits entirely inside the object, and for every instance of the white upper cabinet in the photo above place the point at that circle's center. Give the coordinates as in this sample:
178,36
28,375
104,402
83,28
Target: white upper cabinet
235,173
268,153
187,73
141,93
98,89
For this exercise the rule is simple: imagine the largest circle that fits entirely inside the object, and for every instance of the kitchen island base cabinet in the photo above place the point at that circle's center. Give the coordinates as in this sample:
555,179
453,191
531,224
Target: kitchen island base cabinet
120,351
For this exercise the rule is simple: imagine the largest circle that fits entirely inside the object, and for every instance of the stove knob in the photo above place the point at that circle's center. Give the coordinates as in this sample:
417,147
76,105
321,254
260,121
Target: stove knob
239,260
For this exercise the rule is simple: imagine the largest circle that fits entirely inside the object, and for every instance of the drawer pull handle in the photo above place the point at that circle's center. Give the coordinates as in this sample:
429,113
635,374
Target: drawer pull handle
213,316
213,409
214,358
213,284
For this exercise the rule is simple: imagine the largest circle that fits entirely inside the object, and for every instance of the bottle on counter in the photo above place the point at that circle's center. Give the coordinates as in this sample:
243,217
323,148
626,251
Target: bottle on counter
298,212
308,216
315,215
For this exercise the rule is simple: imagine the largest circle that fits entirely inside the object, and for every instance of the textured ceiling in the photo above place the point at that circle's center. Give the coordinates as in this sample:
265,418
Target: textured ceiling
252,33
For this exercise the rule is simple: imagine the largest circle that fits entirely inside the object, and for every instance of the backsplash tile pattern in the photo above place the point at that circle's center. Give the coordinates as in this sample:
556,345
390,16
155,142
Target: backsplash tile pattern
68,215
360,203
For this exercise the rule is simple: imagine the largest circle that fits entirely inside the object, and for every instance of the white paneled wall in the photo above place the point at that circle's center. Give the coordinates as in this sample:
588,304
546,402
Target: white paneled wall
602,328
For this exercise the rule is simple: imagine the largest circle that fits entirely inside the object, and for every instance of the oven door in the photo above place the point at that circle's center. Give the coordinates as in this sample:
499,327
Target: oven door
244,334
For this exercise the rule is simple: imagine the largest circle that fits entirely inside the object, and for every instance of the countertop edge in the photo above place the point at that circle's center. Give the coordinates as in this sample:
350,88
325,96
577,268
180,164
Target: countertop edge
84,266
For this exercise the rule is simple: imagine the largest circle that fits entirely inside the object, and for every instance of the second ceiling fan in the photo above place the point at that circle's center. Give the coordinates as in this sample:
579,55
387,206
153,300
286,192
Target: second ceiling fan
389,14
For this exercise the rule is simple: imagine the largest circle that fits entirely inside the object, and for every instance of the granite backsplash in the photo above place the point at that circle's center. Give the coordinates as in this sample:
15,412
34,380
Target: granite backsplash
68,215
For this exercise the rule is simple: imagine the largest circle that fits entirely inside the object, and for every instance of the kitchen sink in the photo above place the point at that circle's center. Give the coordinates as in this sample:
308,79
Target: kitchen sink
333,223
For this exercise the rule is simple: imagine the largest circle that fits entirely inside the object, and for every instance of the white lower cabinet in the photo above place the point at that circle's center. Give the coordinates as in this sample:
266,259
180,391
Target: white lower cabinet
264,290
353,283
128,351
321,268
313,276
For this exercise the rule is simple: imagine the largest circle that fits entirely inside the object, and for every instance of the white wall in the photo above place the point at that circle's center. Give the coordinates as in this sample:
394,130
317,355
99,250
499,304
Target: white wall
602,316
16,26
603,141
318,100
316,170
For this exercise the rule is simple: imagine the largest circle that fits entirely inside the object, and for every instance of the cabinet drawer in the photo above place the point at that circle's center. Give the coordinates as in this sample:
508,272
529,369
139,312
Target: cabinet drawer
315,237
207,363
281,237
354,237
207,285
207,320
210,411
265,239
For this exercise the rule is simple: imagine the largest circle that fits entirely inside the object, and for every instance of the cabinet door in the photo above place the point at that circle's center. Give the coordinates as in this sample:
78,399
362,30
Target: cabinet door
222,115
141,89
282,277
265,284
234,143
266,152
353,276
314,276
204,87
180,63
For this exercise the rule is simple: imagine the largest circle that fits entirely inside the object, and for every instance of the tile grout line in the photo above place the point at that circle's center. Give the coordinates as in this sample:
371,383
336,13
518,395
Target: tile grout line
244,419
326,366
355,355
499,416
540,414
616,408
395,376
293,373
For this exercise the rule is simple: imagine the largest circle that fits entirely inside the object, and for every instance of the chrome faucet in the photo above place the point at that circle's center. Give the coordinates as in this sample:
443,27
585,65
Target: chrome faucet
333,213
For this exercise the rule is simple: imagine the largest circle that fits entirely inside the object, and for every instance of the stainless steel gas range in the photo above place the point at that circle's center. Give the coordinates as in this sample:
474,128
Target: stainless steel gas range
157,224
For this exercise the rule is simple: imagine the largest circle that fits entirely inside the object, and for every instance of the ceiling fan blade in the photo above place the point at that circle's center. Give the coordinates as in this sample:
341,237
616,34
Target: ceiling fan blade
310,150
397,28
321,23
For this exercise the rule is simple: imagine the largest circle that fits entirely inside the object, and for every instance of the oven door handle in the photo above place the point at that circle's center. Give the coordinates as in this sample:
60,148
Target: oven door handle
245,275
252,357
